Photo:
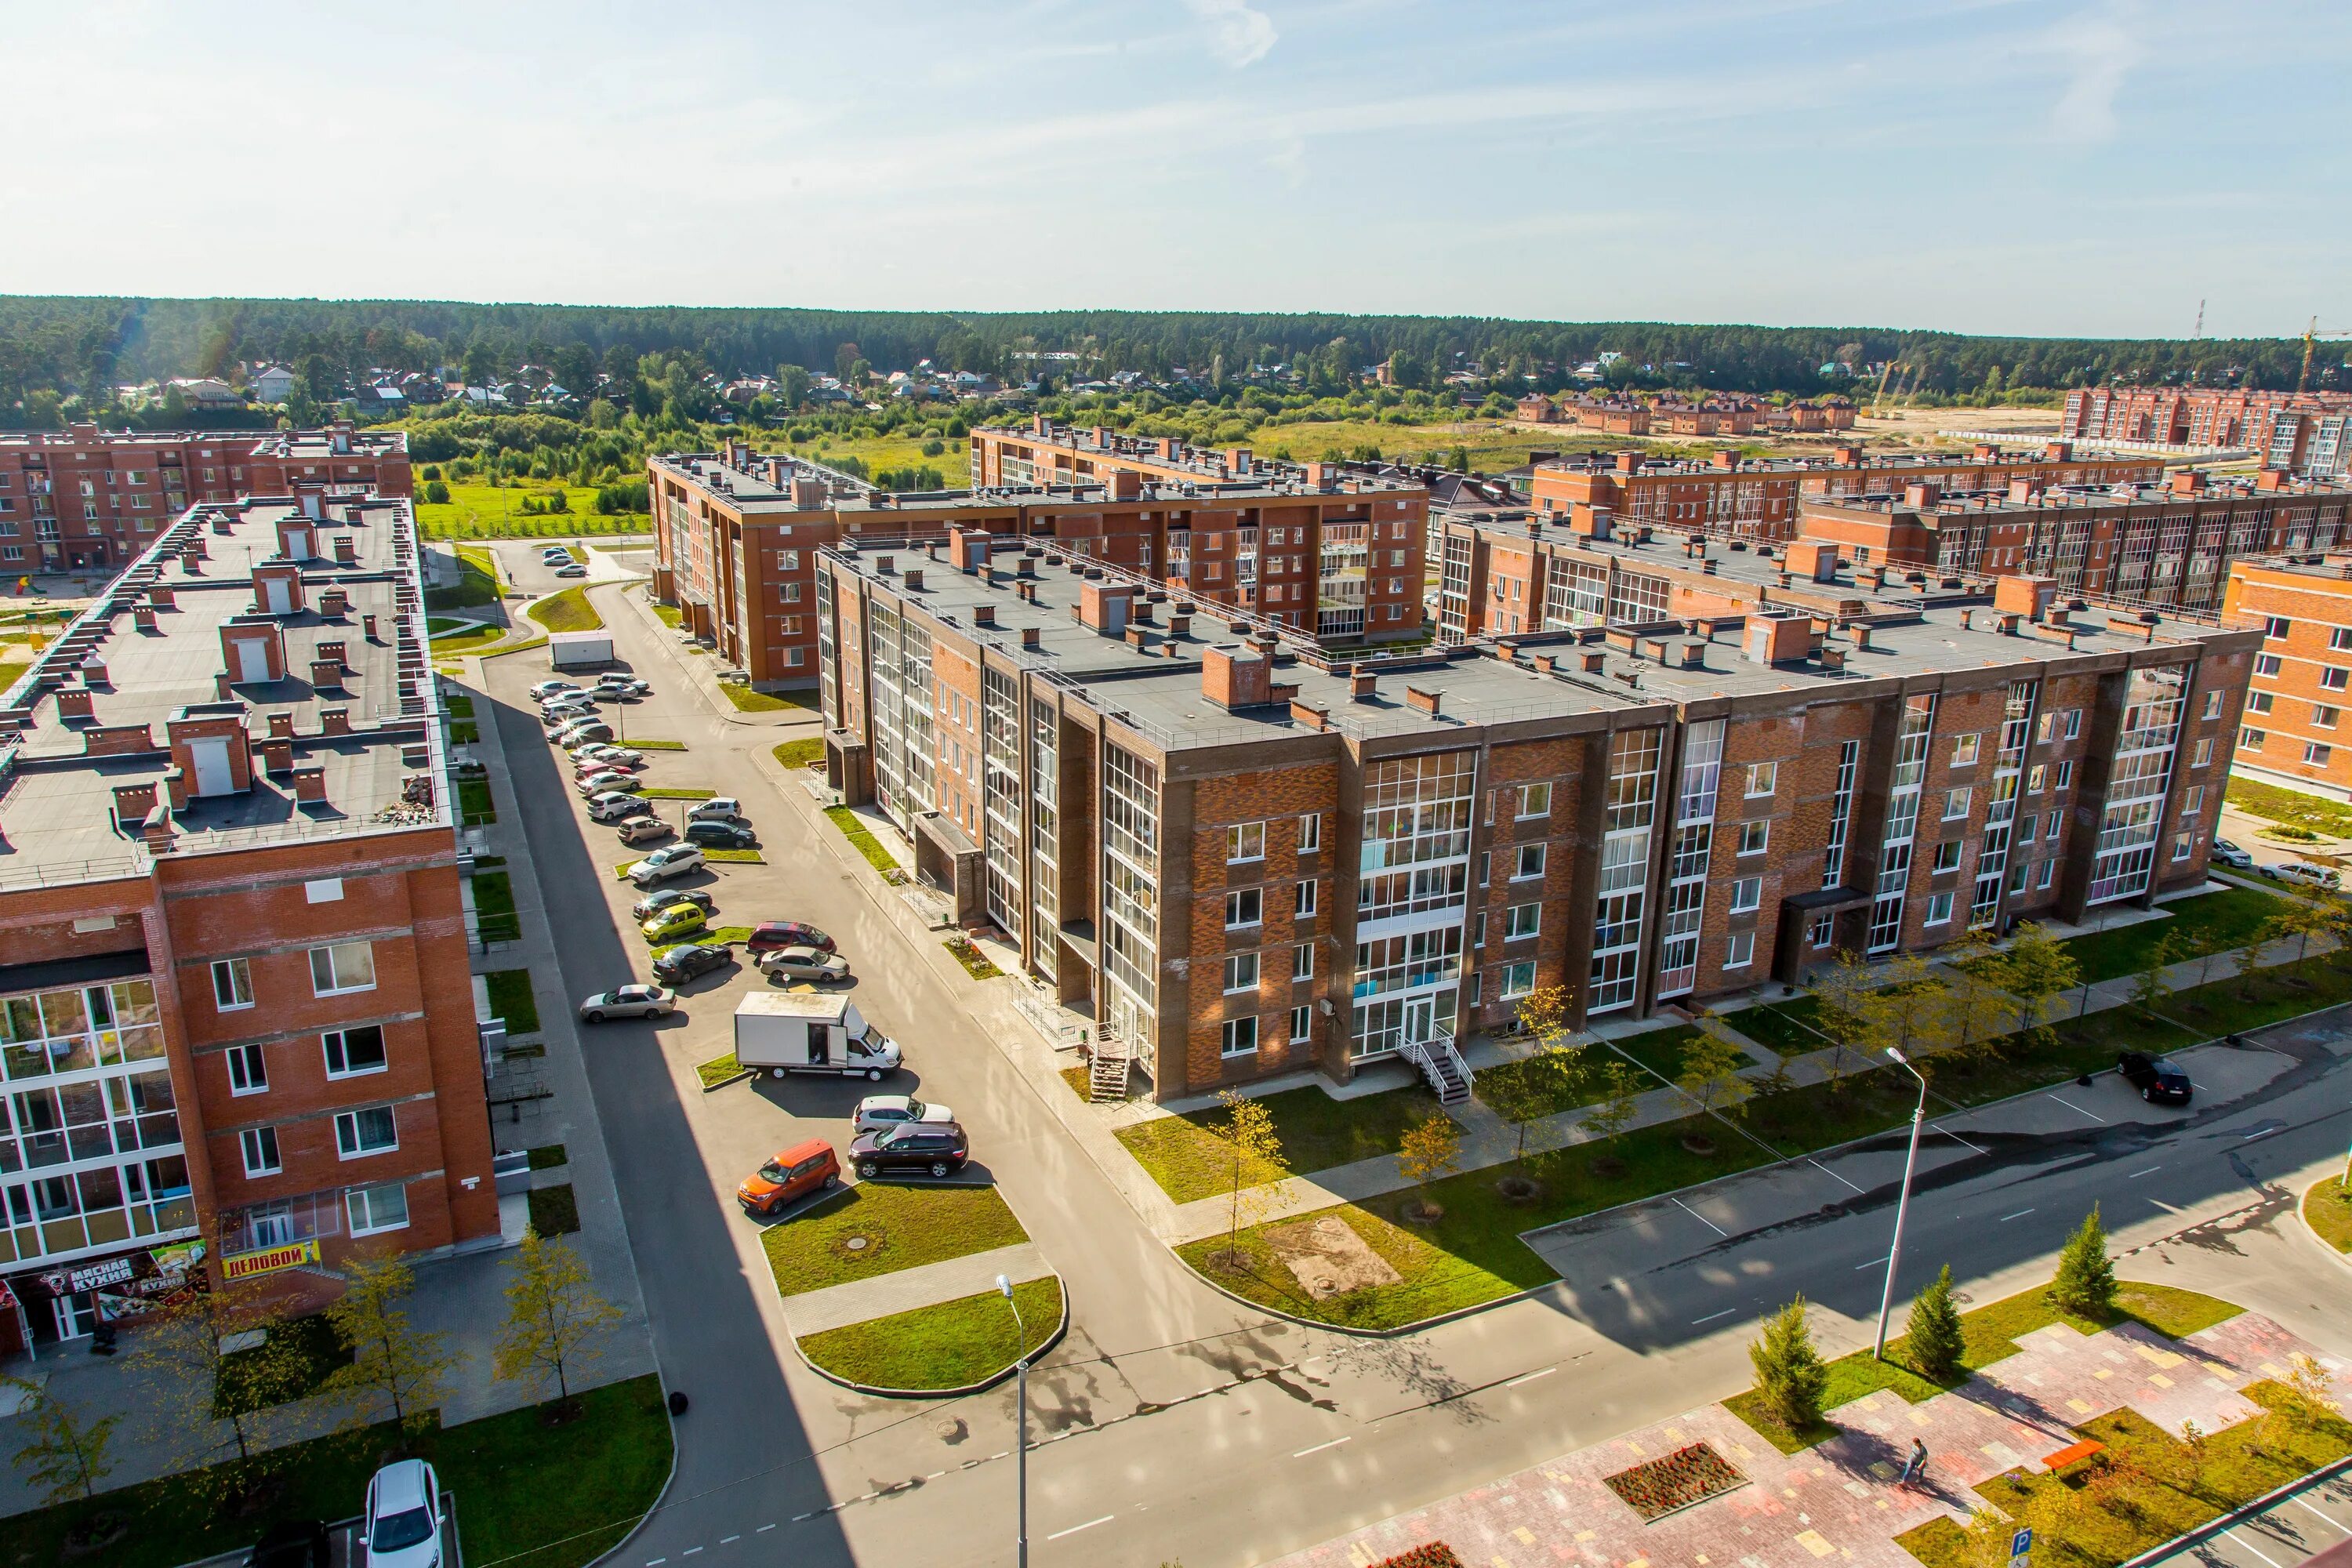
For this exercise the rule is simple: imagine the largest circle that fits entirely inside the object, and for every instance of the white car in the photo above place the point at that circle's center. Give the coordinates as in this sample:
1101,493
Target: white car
554,552
675,861
569,702
611,781
403,1527
629,1002
723,808
880,1113
603,754
2230,854
547,689
624,685
612,805
573,569
812,964
2310,876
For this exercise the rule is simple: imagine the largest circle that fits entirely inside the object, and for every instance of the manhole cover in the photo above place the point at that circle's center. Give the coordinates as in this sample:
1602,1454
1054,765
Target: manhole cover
855,1243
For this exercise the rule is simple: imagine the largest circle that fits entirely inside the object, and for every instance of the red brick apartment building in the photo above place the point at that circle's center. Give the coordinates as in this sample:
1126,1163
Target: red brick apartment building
2293,732
1244,856
89,497
1321,555
2193,416
233,990
1760,497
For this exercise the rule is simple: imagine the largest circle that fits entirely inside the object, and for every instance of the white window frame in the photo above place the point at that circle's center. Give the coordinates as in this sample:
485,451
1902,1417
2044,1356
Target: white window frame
1233,1032
1947,858
1518,980
238,974
1245,899
1535,800
1763,780
2065,774
1310,833
334,1042
1739,950
1965,749
354,1197
331,955
1531,863
1939,912
1304,899
1244,843
1302,1023
248,1070
1241,973
2276,628
2317,755
1747,895
348,1129
2266,665
2213,704
1523,922
1755,837
259,1147
1302,961
2073,722
1957,802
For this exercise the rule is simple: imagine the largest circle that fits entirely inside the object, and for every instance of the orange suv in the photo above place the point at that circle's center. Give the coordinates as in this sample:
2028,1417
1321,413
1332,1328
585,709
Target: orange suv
788,1177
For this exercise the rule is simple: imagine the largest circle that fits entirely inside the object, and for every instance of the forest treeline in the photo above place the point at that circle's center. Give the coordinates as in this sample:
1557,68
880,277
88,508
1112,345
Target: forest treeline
80,346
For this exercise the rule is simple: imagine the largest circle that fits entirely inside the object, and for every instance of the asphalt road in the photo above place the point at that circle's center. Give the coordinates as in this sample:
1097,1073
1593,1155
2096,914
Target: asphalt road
1173,1422
2308,1520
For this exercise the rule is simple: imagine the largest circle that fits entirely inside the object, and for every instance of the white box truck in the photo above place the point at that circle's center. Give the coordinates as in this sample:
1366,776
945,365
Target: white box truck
790,1031
579,650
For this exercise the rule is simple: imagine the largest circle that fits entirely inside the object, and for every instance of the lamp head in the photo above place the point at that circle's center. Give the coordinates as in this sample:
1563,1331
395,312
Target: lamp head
1896,1055
1005,1286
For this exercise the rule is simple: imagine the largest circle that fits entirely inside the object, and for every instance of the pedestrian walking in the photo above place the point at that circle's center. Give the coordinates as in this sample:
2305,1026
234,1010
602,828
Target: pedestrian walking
1916,1465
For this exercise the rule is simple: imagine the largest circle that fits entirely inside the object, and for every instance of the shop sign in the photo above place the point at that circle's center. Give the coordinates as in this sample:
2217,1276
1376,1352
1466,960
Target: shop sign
268,1259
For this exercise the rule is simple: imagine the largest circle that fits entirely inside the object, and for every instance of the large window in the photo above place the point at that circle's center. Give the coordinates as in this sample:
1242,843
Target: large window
1130,949
377,1209
371,1131
2124,858
1412,900
1902,822
1000,763
232,985
1630,809
345,966
1694,843
351,1052
1045,832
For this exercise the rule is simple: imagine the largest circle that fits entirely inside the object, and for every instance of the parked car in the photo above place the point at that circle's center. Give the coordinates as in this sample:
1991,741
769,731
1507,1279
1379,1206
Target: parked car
293,1544
936,1147
554,552
628,1002
626,685
2159,1080
683,961
2230,854
547,689
719,808
653,904
675,861
769,935
403,1527
721,835
605,754
878,1111
788,1176
579,745
674,923
644,830
608,779
804,963
569,702
2310,876
583,729
573,570
615,805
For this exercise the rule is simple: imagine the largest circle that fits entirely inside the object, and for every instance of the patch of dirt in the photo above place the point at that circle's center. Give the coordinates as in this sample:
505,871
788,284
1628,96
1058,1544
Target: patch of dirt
1327,1258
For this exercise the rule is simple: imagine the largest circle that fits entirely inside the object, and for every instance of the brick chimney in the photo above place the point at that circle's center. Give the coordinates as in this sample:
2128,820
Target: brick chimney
1921,494
1778,639
1726,459
983,614
327,674
367,625
1847,457
1123,484
160,595
2024,596
2270,480
347,551
1812,559
2058,452
334,720
1627,462
142,618
333,603
1236,678
134,802
1104,607
310,782
1427,701
1362,684
2187,482
1029,636
73,705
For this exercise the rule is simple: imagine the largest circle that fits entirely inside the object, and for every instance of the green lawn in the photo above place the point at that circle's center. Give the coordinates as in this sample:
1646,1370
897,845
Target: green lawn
734,856
1989,1334
669,615
718,1070
2328,1206
475,510
494,907
1660,1050
951,1344
750,702
1317,1132
458,705
1788,1029
2230,917
477,584
902,1227
2333,817
479,636
318,1351
547,1156
975,962
860,835
568,611
474,805
668,793
511,1000
642,744
1503,1077
564,1494
554,1211
806,752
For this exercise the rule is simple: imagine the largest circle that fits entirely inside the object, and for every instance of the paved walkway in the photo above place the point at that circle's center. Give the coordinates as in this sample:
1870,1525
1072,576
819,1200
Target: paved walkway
905,1290
1839,1502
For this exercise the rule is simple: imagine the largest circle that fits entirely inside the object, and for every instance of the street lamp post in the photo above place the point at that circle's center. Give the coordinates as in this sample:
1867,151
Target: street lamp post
1902,1204
1021,1443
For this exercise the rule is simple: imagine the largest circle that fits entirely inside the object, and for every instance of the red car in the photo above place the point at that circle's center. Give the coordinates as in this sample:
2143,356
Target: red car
768,936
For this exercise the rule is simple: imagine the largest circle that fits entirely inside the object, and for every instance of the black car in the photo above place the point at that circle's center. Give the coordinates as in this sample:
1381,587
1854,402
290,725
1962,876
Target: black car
297,1543
690,959
937,1147
720,835
2159,1082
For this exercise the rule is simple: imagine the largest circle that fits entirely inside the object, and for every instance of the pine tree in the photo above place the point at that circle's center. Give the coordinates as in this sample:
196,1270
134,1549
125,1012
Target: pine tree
1789,1376
1934,1337
2086,1285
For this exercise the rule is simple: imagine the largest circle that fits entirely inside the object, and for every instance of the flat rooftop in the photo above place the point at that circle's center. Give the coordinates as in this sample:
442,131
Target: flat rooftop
1954,503
751,487
58,771
1650,467
2334,567
1153,684
1198,464
280,443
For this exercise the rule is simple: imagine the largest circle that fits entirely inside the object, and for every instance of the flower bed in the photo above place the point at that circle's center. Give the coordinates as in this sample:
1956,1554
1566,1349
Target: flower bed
1684,1476
1436,1554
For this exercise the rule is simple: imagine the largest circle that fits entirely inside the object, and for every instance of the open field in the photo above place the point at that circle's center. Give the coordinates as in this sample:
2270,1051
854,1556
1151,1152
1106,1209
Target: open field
477,510
879,453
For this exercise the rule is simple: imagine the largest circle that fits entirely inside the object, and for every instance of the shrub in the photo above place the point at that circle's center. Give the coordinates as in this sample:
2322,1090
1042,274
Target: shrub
2086,1285
1789,1376
1935,1334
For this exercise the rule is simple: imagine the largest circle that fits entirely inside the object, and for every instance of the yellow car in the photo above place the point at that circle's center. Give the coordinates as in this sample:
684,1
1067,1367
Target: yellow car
677,921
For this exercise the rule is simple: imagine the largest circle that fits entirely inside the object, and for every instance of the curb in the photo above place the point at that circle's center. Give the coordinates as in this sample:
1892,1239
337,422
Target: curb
2304,1223
2237,1515
661,1496
722,1083
991,1381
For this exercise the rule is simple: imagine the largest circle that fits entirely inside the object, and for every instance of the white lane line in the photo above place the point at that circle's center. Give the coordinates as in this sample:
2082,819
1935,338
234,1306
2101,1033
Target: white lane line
1530,1377
1701,1218
1320,1446
2336,1523
1872,1264
763,1529
2076,1109
1075,1528
2258,1132
2254,1549
656,1561
2135,1175
1000,1453
729,1540
1713,1316
2018,1215
1825,1171
797,1519
1958,1139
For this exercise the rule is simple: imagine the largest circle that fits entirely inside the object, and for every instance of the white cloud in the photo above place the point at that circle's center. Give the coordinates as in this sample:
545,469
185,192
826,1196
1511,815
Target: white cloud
1239,33
2099,53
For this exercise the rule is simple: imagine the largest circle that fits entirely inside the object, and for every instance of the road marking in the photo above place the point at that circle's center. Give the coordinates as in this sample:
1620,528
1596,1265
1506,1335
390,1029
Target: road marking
935,1475
1000,1453
729,1540
1530,1377
1303,1453
2257,1133
797,1519
2076,1109
2316,1514
1713,1316
1825,1171
763,1529
1075,1528
2018,1215
1872,1264
1958,1139
2135,1175
2254,1549
1701,1218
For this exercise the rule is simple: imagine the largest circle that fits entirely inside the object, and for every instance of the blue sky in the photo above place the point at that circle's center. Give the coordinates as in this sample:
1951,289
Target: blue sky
2037,166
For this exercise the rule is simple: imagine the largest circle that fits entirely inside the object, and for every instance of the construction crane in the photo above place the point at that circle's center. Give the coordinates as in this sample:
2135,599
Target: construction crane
1879,396
2311,334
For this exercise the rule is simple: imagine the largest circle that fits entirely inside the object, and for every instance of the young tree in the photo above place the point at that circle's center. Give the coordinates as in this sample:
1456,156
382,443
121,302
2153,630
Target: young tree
64,1455
1250,1139
1850,1018
1615,1109
553,1316
396,1372
1549,1080
2149,987
2086,1284
1934,1337
1430,1149
1710,1069
2301,919
2305,1405
220,1404
1789,1376
2035,969
1909,1006
1972,998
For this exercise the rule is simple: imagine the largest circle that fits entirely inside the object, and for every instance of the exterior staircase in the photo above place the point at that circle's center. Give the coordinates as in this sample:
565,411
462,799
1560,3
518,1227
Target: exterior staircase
1107,1067
1442,1065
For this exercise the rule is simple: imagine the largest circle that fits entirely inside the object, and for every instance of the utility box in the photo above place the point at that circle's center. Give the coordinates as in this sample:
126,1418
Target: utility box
786,1031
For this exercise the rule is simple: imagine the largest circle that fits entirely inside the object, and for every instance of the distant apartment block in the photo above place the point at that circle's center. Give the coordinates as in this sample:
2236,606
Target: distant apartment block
92,498
235,1003
2293,732
1243,858
2302,432
1760,497
1320,555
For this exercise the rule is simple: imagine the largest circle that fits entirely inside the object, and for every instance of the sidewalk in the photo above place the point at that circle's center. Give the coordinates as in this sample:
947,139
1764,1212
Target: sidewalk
905,1290
1837,1500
